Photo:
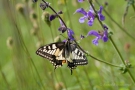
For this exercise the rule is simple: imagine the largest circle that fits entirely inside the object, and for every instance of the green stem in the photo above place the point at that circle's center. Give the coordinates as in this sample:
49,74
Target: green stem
81,87
87,75
52,34
68,14
133,7
63,79
117,50
131,76
103,61
4,77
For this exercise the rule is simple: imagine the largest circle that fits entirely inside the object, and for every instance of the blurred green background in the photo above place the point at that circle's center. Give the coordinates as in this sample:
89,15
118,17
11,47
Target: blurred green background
23,30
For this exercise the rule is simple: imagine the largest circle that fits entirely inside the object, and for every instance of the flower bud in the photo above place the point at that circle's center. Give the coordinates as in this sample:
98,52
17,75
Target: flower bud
10,42
42,6
127,47
106,3
20,8
46,17
59,86
33,16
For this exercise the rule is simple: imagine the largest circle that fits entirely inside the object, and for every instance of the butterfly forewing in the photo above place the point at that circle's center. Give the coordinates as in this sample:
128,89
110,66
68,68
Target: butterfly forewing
53,52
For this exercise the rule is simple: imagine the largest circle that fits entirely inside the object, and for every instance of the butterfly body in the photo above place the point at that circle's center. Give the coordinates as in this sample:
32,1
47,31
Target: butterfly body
63,52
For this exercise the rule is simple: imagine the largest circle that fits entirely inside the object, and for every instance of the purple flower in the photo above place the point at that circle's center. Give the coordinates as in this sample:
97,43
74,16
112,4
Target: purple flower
62,28
99,35
70,34
90,15
52,17
101,17
81,0
43,6
82,36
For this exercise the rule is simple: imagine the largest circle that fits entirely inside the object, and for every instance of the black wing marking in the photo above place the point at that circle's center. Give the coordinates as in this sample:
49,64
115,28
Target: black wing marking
54,52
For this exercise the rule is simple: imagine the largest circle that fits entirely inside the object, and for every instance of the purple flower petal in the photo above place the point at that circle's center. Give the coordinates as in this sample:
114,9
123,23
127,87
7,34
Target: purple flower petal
82,11
52,17
64,40
80,0
61,23
62,28
90,18
95,41
105,39
90,22
93,32
70,34
90,15
82,19
105,36
91,10
101,17
100,10
105,27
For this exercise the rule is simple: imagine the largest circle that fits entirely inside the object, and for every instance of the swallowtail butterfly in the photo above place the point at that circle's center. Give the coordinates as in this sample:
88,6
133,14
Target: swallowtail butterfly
63,52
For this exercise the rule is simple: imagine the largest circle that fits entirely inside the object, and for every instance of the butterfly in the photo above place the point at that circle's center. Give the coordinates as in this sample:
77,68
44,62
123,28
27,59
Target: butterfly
63,52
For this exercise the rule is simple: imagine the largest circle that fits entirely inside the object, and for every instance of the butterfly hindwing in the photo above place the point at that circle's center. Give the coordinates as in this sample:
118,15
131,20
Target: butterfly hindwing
53,52
78,57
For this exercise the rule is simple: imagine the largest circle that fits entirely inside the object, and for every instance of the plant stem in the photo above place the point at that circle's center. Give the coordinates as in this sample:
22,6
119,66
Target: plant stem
4,77
115,47
133,7
68,14
103,61
52,34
